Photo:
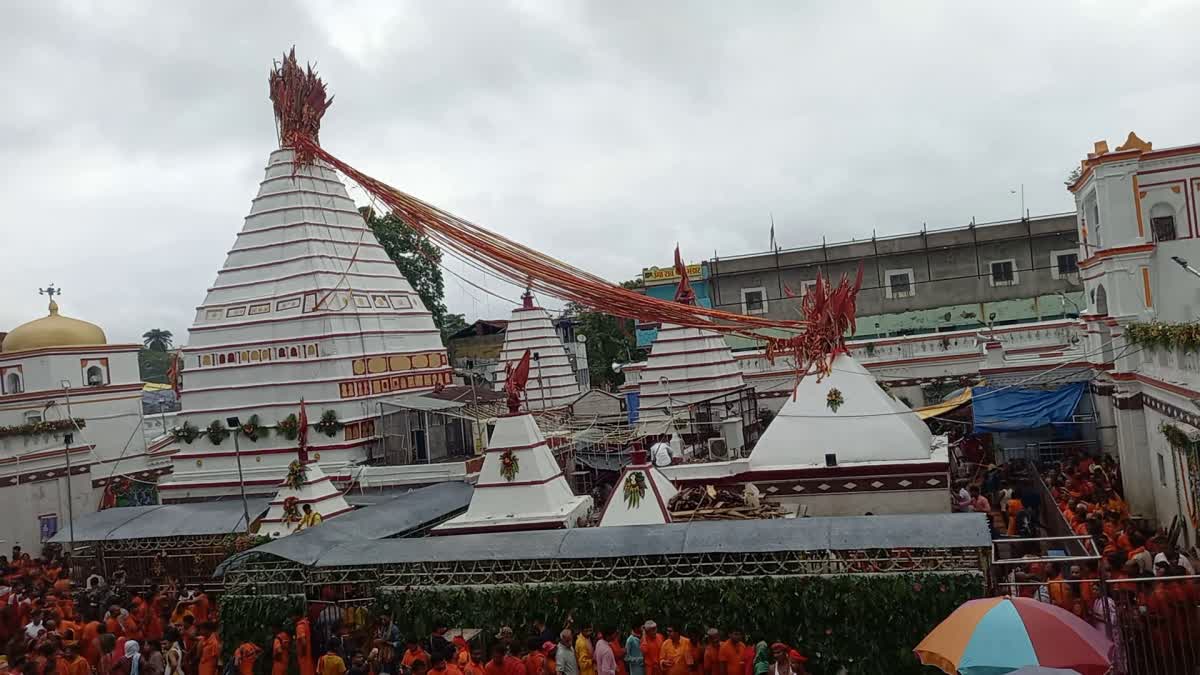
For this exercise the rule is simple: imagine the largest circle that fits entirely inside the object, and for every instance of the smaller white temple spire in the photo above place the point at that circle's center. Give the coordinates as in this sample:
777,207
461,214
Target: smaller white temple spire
642,495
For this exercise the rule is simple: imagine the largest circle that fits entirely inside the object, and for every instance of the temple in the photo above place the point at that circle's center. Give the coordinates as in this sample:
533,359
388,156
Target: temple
552,381
642,495
305,485
686,365
307,305
521,486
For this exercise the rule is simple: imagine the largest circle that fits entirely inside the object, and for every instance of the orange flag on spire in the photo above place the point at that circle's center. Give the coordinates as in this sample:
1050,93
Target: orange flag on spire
515,380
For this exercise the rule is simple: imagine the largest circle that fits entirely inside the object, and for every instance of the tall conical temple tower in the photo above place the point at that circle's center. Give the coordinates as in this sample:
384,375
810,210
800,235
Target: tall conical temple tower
552,382
685,365
307,305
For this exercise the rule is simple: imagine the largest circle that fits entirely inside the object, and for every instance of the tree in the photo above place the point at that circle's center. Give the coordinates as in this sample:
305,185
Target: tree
157,339
610,339
451,324
417,258
153,365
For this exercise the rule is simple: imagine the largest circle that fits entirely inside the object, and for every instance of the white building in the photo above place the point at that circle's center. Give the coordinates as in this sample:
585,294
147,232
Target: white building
54,370
552,381
1137,212
532,493
307,305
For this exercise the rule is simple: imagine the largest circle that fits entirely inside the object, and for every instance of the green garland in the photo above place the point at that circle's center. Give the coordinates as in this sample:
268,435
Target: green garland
289,427
254,618
186,432
1185,336
329,424
42,428
1177,437
867,623
635,489
253,430
216,432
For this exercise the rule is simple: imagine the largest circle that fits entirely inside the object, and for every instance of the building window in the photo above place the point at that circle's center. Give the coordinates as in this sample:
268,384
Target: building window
754,300
807,286
1004,272
1162,470
95,376
900,284
48,525
33,416
1064,264
12,384
1163,227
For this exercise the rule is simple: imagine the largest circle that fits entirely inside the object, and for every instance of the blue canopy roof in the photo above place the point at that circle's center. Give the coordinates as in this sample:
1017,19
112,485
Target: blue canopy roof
1015,409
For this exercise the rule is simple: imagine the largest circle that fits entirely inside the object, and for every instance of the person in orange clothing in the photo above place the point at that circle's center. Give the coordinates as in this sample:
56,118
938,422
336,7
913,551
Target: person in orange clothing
281,649
89,643
618,648
304,659
710,658
652,644
245,656
112,622
535,660
675,656
733,654
1014,507
210,649
414,652
130,627
440,666
330,663
200,605
73,663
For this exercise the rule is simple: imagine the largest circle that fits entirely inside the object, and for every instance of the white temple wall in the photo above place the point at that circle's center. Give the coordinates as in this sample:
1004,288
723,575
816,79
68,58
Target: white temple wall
879,503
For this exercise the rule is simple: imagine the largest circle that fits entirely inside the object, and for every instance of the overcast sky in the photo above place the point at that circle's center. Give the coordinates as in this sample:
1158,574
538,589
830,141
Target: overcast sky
133,134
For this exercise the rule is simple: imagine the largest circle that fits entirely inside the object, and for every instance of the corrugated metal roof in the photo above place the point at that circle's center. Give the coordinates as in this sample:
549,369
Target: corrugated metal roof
366,526
163,520
419,402
755,536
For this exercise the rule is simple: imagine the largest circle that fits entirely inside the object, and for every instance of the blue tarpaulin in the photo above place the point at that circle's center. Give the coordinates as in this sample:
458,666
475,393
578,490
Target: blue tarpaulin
1014,409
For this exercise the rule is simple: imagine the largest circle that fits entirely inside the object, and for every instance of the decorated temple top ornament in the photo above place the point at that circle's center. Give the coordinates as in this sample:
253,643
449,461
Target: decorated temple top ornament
515,379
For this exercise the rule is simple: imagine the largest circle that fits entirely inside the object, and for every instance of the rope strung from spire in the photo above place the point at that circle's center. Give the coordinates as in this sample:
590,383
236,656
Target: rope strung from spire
828,311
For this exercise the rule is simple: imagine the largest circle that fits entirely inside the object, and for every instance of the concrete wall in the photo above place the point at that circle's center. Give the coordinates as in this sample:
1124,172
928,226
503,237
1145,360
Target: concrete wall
951,275
878,503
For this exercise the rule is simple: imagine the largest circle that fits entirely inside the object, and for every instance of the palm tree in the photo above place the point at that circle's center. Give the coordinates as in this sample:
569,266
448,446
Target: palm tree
157,340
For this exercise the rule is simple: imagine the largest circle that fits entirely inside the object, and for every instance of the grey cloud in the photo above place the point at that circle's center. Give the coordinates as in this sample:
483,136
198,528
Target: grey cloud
134,134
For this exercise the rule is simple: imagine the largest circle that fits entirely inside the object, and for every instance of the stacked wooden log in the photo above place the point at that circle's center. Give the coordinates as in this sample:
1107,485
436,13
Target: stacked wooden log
713,503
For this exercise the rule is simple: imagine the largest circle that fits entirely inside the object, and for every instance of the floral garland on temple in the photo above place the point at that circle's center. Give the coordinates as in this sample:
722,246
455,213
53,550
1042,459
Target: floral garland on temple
186,432
41,428
635,489
253,430
291,510
510,466
216,432
329,424
296,476
834,399
1159,334
289,427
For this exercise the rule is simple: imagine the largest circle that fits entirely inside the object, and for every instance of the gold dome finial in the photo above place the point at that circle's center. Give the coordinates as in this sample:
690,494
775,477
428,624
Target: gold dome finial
53,330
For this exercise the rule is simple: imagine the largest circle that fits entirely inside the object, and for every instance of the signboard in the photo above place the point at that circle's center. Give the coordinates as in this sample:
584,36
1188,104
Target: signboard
659,275
48,525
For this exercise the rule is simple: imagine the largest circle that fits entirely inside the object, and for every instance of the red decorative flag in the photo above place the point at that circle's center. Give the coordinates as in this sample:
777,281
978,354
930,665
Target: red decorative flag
683,292
303,433
515,380
173,375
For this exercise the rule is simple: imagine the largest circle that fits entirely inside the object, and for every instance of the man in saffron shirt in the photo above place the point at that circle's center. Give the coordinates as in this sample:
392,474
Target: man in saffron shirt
210,649
280,653
304,660
733,654
675,654
711,659
74,663
245,656
414,652
501,663
651,648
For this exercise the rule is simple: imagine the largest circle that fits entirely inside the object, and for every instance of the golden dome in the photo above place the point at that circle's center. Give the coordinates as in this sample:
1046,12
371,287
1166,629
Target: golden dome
52,331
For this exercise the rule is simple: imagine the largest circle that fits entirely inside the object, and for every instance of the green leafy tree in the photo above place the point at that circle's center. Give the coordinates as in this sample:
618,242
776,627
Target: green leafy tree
153,364
417,258
610,339
451,324
157,339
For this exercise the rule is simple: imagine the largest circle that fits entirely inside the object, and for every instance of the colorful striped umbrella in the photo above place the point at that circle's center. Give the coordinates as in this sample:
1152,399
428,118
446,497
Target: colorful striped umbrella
993,636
